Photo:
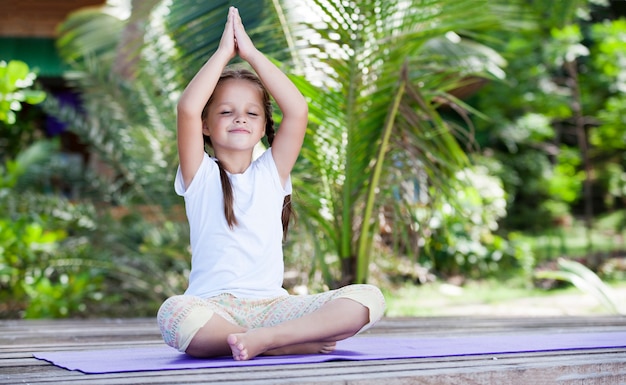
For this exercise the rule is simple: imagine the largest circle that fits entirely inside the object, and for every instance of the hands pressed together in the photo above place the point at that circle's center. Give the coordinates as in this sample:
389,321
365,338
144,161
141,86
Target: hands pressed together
235,41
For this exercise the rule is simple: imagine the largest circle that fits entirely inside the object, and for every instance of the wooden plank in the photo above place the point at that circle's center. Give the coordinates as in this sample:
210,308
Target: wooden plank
18,339
535,369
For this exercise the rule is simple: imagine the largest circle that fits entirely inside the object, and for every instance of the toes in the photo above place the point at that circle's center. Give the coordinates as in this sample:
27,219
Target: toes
328,348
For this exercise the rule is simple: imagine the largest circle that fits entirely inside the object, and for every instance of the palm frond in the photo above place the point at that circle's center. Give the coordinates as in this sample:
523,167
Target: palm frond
129,123
197,28
348,57
352,54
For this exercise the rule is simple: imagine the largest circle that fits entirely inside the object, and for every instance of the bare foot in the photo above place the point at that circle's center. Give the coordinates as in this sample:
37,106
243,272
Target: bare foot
307,348
246,346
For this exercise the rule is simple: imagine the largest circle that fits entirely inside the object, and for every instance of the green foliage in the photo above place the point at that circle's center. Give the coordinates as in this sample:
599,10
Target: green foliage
29,240
37,233
94,263
565,45
197,29
127,114
463,240
32,232
22,243
36,236
383,166
372,126
520,134
141,263
60,259
15,81
609,136
609,53
565,184
360,142
65,297
16,88
614,178
611,50
567,65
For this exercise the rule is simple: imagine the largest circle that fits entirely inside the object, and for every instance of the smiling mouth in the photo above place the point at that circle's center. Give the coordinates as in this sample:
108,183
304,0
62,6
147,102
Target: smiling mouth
239,131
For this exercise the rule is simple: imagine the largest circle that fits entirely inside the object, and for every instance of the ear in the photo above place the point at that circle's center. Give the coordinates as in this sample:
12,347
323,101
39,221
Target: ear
205,129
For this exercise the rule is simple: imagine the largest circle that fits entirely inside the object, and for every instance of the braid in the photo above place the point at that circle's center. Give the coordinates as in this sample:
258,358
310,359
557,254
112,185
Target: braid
287,209
286,215
227,191
269,129
227,188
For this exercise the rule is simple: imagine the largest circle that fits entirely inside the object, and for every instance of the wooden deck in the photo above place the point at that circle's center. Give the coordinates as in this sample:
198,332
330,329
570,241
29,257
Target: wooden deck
18,339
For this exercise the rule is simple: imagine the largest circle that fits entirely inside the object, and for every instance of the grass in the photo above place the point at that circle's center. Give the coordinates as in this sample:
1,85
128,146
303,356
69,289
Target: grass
516,296
432,298
492,298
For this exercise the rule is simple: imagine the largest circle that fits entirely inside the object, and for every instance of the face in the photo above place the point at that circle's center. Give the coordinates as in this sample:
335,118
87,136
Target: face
235,119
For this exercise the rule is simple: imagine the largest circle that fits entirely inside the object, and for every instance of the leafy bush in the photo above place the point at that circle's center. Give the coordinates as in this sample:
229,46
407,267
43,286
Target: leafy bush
60,259
37,278
15,82
463,240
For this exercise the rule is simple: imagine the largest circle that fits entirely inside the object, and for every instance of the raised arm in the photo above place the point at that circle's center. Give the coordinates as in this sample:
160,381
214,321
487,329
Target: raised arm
288,140
194,98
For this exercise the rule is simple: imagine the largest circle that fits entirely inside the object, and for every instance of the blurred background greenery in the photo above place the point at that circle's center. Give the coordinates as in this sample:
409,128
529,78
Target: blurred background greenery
451,144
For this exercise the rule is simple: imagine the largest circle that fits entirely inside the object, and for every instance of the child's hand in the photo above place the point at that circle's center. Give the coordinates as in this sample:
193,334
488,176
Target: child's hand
243,44
227,43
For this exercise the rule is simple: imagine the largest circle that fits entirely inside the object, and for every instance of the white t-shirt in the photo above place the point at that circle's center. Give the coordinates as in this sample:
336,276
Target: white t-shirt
247,260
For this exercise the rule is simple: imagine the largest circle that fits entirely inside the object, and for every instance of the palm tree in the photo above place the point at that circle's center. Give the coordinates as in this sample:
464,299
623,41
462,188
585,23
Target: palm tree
374,73
120,66
126,114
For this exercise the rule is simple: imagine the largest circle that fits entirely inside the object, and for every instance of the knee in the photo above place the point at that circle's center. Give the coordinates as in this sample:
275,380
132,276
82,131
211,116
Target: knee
375,302
369,296
169,317
179,319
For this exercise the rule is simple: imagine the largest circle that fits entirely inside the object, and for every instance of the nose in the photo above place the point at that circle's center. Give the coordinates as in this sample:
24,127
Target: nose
241,118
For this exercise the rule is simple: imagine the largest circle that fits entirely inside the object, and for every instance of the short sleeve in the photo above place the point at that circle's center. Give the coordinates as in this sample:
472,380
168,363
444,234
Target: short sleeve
206,167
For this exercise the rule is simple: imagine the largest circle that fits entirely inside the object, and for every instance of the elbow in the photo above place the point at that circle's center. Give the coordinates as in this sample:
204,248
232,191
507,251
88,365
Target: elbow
296,112
304,110
184,109
187,108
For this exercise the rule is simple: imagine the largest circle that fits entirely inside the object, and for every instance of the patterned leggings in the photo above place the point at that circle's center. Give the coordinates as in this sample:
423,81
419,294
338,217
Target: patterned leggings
180,317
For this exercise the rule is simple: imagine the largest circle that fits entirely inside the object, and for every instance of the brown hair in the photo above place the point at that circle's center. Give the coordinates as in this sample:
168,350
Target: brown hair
227,188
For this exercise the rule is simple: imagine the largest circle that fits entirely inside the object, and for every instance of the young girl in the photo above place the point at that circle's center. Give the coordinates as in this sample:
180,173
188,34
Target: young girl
235,303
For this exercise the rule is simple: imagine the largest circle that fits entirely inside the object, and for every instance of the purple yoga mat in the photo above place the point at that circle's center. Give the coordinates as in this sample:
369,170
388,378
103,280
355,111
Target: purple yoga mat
356,348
